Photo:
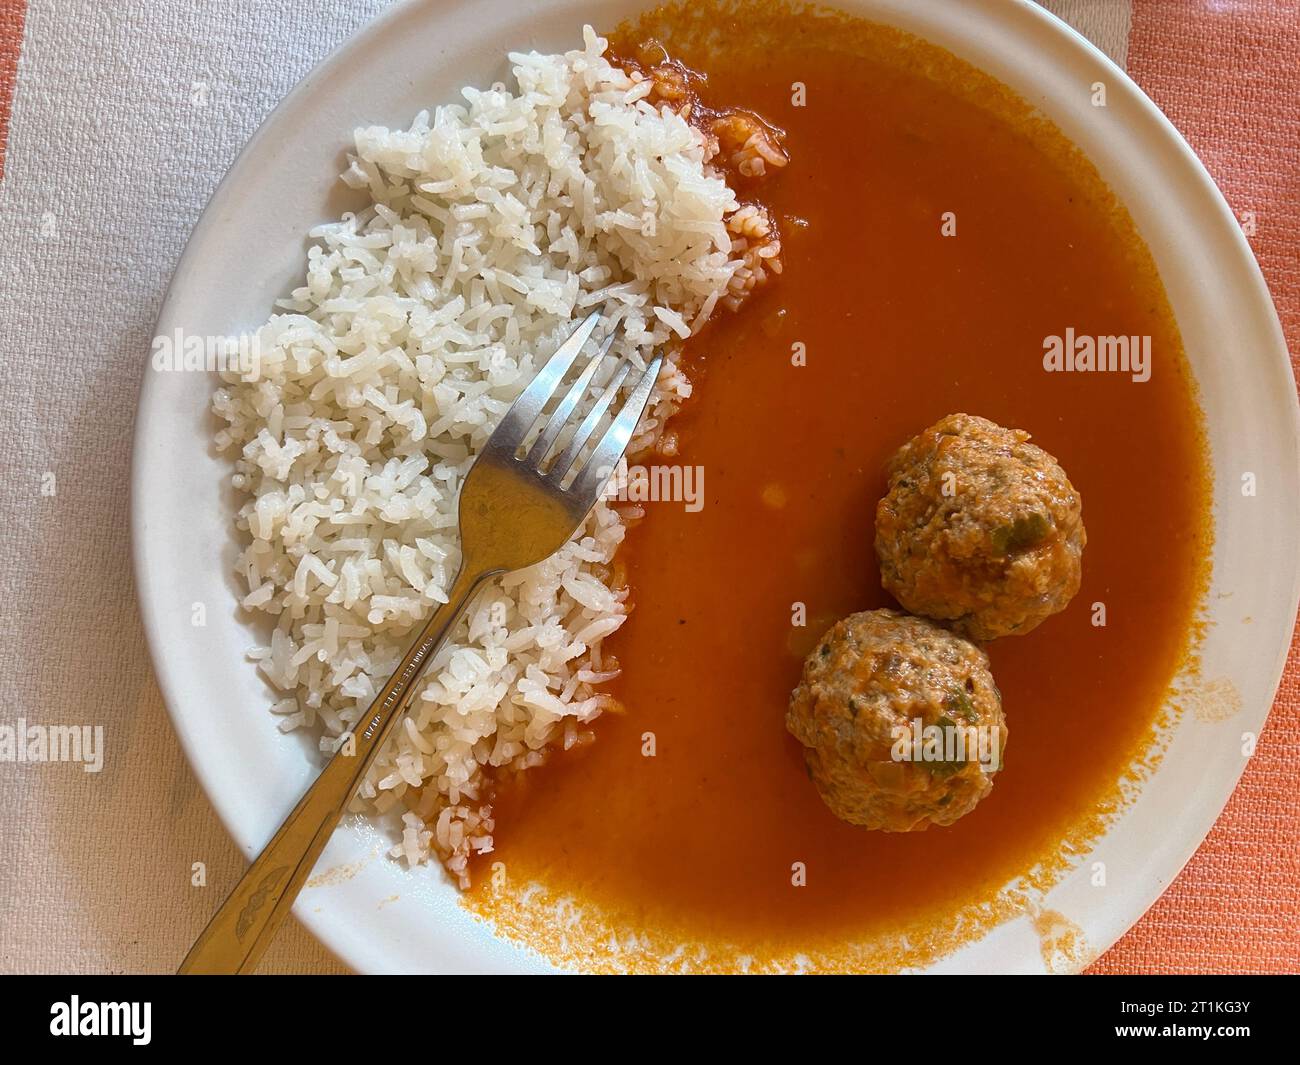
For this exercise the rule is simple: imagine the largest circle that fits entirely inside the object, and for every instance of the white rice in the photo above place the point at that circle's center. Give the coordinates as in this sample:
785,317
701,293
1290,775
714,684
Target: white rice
494,225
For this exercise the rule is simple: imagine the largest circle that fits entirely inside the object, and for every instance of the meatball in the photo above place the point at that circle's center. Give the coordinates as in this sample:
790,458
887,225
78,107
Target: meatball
877,683
979,528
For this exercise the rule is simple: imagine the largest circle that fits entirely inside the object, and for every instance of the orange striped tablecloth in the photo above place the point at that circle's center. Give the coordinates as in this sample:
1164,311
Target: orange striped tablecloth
1227,73
11,35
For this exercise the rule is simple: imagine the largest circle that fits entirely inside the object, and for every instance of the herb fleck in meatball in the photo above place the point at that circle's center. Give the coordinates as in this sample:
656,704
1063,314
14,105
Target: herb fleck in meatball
980,529
875,681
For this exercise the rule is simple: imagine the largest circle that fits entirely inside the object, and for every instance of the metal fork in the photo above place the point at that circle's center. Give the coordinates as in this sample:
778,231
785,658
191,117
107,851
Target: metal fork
514,512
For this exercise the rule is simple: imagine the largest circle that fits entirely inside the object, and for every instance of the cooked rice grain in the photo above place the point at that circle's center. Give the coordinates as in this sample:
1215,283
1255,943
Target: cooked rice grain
493,225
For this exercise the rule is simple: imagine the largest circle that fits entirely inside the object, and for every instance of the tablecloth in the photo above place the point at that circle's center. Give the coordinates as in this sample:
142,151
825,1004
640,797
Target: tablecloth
116,123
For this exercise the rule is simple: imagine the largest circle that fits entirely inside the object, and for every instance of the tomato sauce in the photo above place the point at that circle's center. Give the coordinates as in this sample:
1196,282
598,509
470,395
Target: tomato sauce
703,842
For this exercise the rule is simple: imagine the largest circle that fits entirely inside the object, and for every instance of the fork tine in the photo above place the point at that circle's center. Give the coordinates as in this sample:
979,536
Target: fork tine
588,425
560,416
600,466
519,419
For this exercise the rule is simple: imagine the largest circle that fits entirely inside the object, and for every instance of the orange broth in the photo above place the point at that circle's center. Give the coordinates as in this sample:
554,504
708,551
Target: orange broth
901,325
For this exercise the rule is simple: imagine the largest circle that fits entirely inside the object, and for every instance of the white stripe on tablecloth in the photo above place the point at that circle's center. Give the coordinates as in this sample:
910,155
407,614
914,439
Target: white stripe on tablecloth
1104,22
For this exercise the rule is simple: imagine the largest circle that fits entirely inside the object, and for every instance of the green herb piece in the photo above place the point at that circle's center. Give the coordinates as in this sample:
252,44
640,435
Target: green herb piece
1020,534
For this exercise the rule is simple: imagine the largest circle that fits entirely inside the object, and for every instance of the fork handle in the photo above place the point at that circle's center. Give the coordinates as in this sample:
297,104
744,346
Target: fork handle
242,929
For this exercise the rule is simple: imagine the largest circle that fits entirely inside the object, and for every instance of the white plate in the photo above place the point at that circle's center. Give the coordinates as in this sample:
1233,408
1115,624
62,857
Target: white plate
420,54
